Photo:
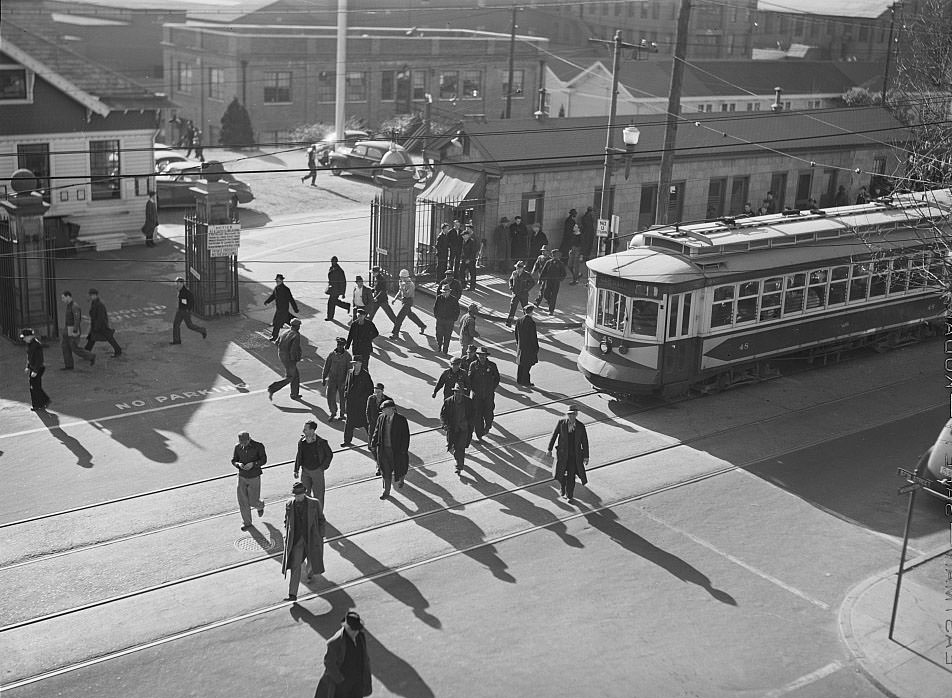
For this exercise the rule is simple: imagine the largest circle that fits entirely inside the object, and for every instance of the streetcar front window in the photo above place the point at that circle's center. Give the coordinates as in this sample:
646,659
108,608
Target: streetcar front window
612,311
644,318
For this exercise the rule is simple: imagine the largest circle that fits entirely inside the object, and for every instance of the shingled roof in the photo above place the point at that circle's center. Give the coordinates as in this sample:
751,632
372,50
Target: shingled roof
97,87
517,144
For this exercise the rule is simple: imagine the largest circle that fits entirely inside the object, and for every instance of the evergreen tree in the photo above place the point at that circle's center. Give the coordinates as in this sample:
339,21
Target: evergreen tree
236,129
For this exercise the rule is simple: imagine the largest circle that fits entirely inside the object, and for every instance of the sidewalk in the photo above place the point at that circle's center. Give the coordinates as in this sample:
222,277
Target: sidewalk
492,295
916,663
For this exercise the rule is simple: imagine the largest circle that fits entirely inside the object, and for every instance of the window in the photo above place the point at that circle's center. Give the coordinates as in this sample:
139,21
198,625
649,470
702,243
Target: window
36,158
838,281
418,81
770,300
878,282
183,77
388,85
472,84
449,84
722,310
216,83
355,87
103,169
517,77
277,87
326,86
15,84
859,282
739,189
655,10
644,317
793,293
816,289
747,293
899,279
864,32
716,190
612,313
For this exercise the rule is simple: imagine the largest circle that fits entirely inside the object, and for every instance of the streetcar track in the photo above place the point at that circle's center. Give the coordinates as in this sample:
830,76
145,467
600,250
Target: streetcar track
398,570
462,505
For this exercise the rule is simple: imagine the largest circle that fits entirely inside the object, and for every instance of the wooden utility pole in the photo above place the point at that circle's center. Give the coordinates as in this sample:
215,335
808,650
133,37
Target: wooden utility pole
674,111
512,62
889,46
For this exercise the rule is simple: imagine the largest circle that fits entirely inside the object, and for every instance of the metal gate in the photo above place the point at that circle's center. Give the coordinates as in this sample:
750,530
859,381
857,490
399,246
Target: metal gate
213,280
27,279
430,215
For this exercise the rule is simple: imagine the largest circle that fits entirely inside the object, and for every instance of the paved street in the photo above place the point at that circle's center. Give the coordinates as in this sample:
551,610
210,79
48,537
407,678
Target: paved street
708,556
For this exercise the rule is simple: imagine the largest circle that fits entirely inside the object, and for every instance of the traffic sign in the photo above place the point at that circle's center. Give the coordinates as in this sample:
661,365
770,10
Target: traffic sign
913,478
603,228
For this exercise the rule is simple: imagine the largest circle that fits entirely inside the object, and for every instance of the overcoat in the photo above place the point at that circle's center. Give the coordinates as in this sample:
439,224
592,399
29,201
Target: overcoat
357,388
527,341
458,416
360,338
399,442
99,322
283,303
151,218
373,407
336,280
559,439
313,537
336,650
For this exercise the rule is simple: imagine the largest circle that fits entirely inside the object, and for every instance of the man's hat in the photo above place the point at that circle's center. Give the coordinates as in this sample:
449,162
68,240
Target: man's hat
459,386
298,488
26,332
379,385
471,347
243,435
295,322
93,292
456,360
279,277
448,272
556,251
404,274
387,403
334,260
342,340
572,211
177,279
360,311
529,307
520,265
358,278
353,620
544,248
571,409
483,350
474,306
375,268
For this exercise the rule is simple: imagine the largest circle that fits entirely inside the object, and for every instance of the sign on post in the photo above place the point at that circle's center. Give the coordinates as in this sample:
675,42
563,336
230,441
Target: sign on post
603,228
223,240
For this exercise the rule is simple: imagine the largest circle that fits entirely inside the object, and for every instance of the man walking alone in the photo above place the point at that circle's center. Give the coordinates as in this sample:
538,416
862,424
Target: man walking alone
70,341
283,301
483,381
304,526
313,457
35,368
289,352
99,329
527,346
183,313
390,445
248,457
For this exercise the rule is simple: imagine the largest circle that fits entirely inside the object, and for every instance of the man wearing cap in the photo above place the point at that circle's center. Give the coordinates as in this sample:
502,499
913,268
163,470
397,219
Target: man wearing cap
70,340
469,358
99,329
346,663
381,295
390,445
362,297
538,242
313,457
520,283
518,239
457,419
289,353
283,302
451,282
183,313
483,381
248,457
553,271
571,447
467,329
357,389
442,245
361,335
469,251
527,346
303,538
539,262
336,287
446,311
336,366
376,399
450,377
406,290
35,368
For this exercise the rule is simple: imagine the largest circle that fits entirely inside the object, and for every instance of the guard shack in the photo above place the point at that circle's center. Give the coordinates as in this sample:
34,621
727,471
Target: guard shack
212,238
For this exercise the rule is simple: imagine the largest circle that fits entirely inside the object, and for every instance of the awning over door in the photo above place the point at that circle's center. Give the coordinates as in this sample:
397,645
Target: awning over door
450,187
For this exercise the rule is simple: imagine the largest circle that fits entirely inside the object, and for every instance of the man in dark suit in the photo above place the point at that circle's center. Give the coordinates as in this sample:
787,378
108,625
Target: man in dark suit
527,346
390,445
336,287
346,663
458,418
374,402
381,295
35,368
283,302
183,313
151,220
361,336
358,387
450,377
303,537
483,381
99,329
289,353
571,445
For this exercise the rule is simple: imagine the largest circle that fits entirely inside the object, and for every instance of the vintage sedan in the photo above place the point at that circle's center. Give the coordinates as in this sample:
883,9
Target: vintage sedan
331,143
165,156
173,185
364,158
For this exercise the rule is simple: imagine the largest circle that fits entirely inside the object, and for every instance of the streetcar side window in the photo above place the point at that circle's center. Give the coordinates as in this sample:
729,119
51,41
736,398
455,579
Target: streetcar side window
770,300
612,311
722,311
747,301
793,297
859,282
839,276
937,271
919,278
879,280
899,278
816,291
644,318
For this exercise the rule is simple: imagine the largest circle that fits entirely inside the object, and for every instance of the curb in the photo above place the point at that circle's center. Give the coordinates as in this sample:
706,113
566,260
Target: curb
493,316
845,623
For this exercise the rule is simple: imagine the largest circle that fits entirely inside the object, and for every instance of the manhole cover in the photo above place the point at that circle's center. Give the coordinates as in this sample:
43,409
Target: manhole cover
250,544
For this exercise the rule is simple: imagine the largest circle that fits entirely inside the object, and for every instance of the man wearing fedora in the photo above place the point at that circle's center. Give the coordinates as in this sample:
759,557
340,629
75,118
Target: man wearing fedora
374,407
283,303
304,525
35,368
457,419
358,387
361,336
527,346
571,448
289,352
183,313
446,310
99,329
346,662
483,381
336,366
390,446
380,284
520,283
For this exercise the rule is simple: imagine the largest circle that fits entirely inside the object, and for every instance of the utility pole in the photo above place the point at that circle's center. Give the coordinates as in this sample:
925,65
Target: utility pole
889,45
512,62
674,111
340,91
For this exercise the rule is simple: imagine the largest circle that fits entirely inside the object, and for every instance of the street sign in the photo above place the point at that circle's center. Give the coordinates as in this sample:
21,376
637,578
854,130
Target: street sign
223,240
603,228
913,478
906,489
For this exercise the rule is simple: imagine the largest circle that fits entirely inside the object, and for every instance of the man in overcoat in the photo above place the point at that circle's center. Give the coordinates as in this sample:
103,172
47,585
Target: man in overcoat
458,418
553,271
289,353
303,537
446,311
283,303
361,336
346,663
483,381
450,377
390,445
380,282
73,317
336,366
357,388
35,368
527,346
99,329
571,448
336,287
520,283
374,402
151,220
442,245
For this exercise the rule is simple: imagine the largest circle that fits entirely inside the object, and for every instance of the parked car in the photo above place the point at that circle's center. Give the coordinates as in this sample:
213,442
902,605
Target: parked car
164,156
360,159
330,143
935,467
172,186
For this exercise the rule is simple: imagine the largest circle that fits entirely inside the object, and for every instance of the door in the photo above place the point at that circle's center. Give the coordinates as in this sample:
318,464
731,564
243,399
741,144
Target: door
679,356
716,190
532,208
804,190
778,185
646,212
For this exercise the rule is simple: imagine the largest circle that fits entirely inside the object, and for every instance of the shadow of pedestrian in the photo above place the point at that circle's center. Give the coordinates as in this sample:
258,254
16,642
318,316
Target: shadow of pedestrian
84,459
239,384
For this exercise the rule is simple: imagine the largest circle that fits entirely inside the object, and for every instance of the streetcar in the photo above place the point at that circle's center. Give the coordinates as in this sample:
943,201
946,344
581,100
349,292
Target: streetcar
708,306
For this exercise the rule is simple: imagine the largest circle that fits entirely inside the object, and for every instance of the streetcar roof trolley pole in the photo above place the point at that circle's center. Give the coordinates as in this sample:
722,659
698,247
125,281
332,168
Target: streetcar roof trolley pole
936,466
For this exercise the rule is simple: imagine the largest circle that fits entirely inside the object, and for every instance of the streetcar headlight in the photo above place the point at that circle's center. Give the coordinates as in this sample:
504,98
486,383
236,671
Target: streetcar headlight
605,345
